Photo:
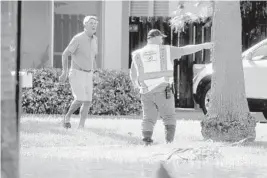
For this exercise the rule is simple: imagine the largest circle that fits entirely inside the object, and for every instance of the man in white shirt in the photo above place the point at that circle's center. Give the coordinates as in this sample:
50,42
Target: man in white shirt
83,51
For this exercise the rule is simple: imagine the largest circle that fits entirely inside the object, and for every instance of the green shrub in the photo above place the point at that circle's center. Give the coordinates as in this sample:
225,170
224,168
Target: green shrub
113,94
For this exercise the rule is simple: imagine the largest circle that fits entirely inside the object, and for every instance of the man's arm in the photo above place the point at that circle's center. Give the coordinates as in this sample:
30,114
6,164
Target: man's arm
190,49
177,52
96,52
71,48
65,56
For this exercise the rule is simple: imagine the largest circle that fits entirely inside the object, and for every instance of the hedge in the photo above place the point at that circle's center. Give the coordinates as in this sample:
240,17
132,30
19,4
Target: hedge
113,94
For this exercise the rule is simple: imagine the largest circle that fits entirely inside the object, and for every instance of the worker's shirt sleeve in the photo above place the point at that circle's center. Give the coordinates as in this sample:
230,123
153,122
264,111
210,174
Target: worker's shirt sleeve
73,45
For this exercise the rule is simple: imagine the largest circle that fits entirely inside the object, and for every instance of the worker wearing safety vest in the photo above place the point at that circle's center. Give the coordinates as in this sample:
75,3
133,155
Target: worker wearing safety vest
152,73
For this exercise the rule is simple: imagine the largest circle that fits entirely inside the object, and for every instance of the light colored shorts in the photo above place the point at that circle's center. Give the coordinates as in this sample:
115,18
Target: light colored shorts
81,84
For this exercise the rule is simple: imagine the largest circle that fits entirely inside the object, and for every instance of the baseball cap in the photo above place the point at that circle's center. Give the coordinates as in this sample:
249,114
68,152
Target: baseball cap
155,32
87,18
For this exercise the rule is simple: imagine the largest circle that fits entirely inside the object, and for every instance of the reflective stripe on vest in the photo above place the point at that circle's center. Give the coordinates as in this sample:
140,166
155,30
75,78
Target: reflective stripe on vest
140,69
153,75
164,54
163,62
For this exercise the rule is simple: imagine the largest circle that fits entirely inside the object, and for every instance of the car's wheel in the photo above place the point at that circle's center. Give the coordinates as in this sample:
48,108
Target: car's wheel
265,114
205,98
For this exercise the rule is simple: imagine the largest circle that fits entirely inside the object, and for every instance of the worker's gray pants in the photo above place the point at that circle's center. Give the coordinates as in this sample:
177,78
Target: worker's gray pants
154,104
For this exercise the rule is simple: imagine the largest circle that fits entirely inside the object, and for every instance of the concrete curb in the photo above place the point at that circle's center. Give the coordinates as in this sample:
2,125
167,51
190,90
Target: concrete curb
187,110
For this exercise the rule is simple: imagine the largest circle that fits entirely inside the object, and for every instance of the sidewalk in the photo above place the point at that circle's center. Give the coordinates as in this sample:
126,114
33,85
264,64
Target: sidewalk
188,110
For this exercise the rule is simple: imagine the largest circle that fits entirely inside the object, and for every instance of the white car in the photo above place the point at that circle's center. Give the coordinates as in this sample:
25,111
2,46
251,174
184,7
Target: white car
255,74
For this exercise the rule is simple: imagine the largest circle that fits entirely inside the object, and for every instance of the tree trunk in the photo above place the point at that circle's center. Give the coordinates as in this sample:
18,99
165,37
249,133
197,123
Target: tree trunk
229,118
9,129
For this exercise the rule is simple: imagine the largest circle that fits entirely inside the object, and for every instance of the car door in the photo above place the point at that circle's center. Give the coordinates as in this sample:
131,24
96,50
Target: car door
255,73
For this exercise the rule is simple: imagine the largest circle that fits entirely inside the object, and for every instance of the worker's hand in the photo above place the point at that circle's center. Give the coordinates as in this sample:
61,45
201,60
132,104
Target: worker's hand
63,77
209,45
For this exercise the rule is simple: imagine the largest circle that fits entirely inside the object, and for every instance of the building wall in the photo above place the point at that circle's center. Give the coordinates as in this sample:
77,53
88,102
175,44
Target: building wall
115,35
112,37
152,8
125,36
36,34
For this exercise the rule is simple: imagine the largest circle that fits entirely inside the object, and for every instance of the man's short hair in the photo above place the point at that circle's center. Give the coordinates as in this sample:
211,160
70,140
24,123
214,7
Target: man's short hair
87,18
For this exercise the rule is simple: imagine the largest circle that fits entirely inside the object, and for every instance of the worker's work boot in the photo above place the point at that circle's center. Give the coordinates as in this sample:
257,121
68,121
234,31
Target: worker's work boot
147,137
169,133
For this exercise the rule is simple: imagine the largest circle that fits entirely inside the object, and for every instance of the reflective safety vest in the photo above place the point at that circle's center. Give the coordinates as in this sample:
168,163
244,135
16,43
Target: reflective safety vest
154,66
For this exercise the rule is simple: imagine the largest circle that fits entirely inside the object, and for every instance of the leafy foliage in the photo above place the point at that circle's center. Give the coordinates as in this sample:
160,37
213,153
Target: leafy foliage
253,13
192,12
113,94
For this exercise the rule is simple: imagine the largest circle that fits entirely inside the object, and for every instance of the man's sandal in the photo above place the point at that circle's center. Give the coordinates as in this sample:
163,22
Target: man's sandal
66,125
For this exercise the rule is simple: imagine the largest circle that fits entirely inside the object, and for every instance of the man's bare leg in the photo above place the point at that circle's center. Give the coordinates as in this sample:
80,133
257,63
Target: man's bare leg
84,113
73,107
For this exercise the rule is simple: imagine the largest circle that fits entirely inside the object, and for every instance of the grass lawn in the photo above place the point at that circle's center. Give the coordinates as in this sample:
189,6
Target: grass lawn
112,148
